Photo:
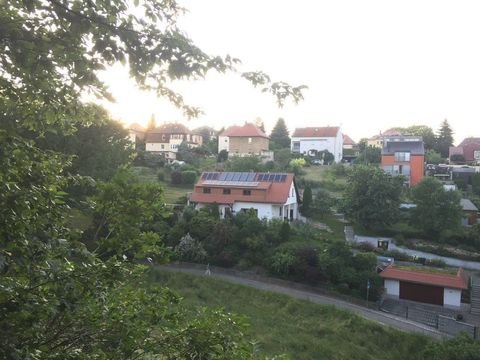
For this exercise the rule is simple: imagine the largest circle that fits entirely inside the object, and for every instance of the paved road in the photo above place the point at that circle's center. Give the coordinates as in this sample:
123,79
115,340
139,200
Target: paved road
472,265
374,315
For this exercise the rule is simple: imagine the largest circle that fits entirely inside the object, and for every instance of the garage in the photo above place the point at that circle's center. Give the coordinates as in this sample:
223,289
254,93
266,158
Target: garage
421,293
425,285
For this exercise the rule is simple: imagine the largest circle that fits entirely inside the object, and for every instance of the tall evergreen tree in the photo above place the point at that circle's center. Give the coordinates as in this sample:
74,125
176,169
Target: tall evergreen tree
279,137
444,139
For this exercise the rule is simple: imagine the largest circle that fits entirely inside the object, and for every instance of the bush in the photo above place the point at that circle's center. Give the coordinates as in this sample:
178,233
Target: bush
189,177
436,263
161,176
176,177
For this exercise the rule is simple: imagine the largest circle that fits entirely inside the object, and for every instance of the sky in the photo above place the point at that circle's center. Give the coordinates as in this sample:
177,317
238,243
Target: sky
369,65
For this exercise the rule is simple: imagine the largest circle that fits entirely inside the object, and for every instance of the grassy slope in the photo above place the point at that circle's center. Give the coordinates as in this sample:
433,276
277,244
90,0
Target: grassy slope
295,327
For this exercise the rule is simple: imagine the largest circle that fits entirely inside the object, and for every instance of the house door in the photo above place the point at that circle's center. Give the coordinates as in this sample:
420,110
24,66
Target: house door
291,214
423,293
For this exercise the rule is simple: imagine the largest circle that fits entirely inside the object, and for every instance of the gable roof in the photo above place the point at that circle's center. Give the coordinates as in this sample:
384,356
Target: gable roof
458,281
347,140
319,132
247,130
470,140
274,187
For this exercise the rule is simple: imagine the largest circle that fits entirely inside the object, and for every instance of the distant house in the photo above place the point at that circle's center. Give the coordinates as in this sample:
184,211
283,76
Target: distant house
206,131
270,195
311,140
424,286
377,140
468,149
404,155
350,149
166,138
470,211
245,140
136,132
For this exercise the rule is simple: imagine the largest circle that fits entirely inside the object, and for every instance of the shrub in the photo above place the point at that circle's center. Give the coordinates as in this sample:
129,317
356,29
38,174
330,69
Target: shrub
176,177
436,263
161,176
190,249
189,177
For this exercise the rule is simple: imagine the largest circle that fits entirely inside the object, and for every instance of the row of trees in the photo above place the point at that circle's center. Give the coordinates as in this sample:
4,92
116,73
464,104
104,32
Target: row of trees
372,199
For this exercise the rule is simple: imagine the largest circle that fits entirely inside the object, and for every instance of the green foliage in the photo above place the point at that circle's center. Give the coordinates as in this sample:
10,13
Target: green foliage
372,197
176,177
323,202
425,132
297,164
244,164
279,137
459,348
222,156
433,157
189,177
437,209
444,139
307,199
371,155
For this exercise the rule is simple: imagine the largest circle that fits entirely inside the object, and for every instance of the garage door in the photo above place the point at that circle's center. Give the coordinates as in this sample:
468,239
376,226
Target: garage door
422,293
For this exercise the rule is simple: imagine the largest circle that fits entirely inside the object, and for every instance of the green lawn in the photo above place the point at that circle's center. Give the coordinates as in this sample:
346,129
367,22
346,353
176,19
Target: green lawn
298,328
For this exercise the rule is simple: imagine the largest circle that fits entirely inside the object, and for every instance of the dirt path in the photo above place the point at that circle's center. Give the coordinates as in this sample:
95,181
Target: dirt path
370,314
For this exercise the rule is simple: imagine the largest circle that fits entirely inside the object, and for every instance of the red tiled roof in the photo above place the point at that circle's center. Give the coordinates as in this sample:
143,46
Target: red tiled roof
458,281
316,132
248,129
347,140
271,192
470,140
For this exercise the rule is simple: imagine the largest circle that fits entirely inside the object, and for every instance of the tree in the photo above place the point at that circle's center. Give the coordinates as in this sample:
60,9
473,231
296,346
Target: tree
98,149
425,132
279,137
260,124
371,155
307,199
444,139
437,209
59,300
433,157
222,156
372,197
244,164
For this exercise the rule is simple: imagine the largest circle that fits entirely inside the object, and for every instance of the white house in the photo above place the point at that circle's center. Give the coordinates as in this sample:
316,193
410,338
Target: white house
270,195
311,140
427,287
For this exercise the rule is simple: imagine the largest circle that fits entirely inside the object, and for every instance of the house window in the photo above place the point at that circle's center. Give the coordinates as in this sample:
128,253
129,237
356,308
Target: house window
402,156
163,146
280,211
247,192
249,140
296,146
207,190
226,191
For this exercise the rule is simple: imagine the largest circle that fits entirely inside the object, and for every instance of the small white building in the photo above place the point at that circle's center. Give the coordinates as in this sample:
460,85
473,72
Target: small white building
270,195
423,286
312,140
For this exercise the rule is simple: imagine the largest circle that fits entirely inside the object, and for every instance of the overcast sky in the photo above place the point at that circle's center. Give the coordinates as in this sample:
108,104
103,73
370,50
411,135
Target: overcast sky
369,65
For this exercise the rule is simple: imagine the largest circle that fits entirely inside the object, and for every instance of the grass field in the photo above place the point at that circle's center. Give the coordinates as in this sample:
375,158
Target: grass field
303,330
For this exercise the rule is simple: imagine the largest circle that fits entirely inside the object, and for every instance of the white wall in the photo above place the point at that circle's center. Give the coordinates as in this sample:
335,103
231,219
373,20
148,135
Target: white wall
223,143
157,146
264,210
333,145
392,287
452,297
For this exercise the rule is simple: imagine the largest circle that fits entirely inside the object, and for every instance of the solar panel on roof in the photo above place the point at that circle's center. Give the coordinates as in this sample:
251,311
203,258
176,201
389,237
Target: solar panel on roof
277,178
229,176
204,176
222,176
243,177
271,177
260,177
283,178
236,176
250,176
